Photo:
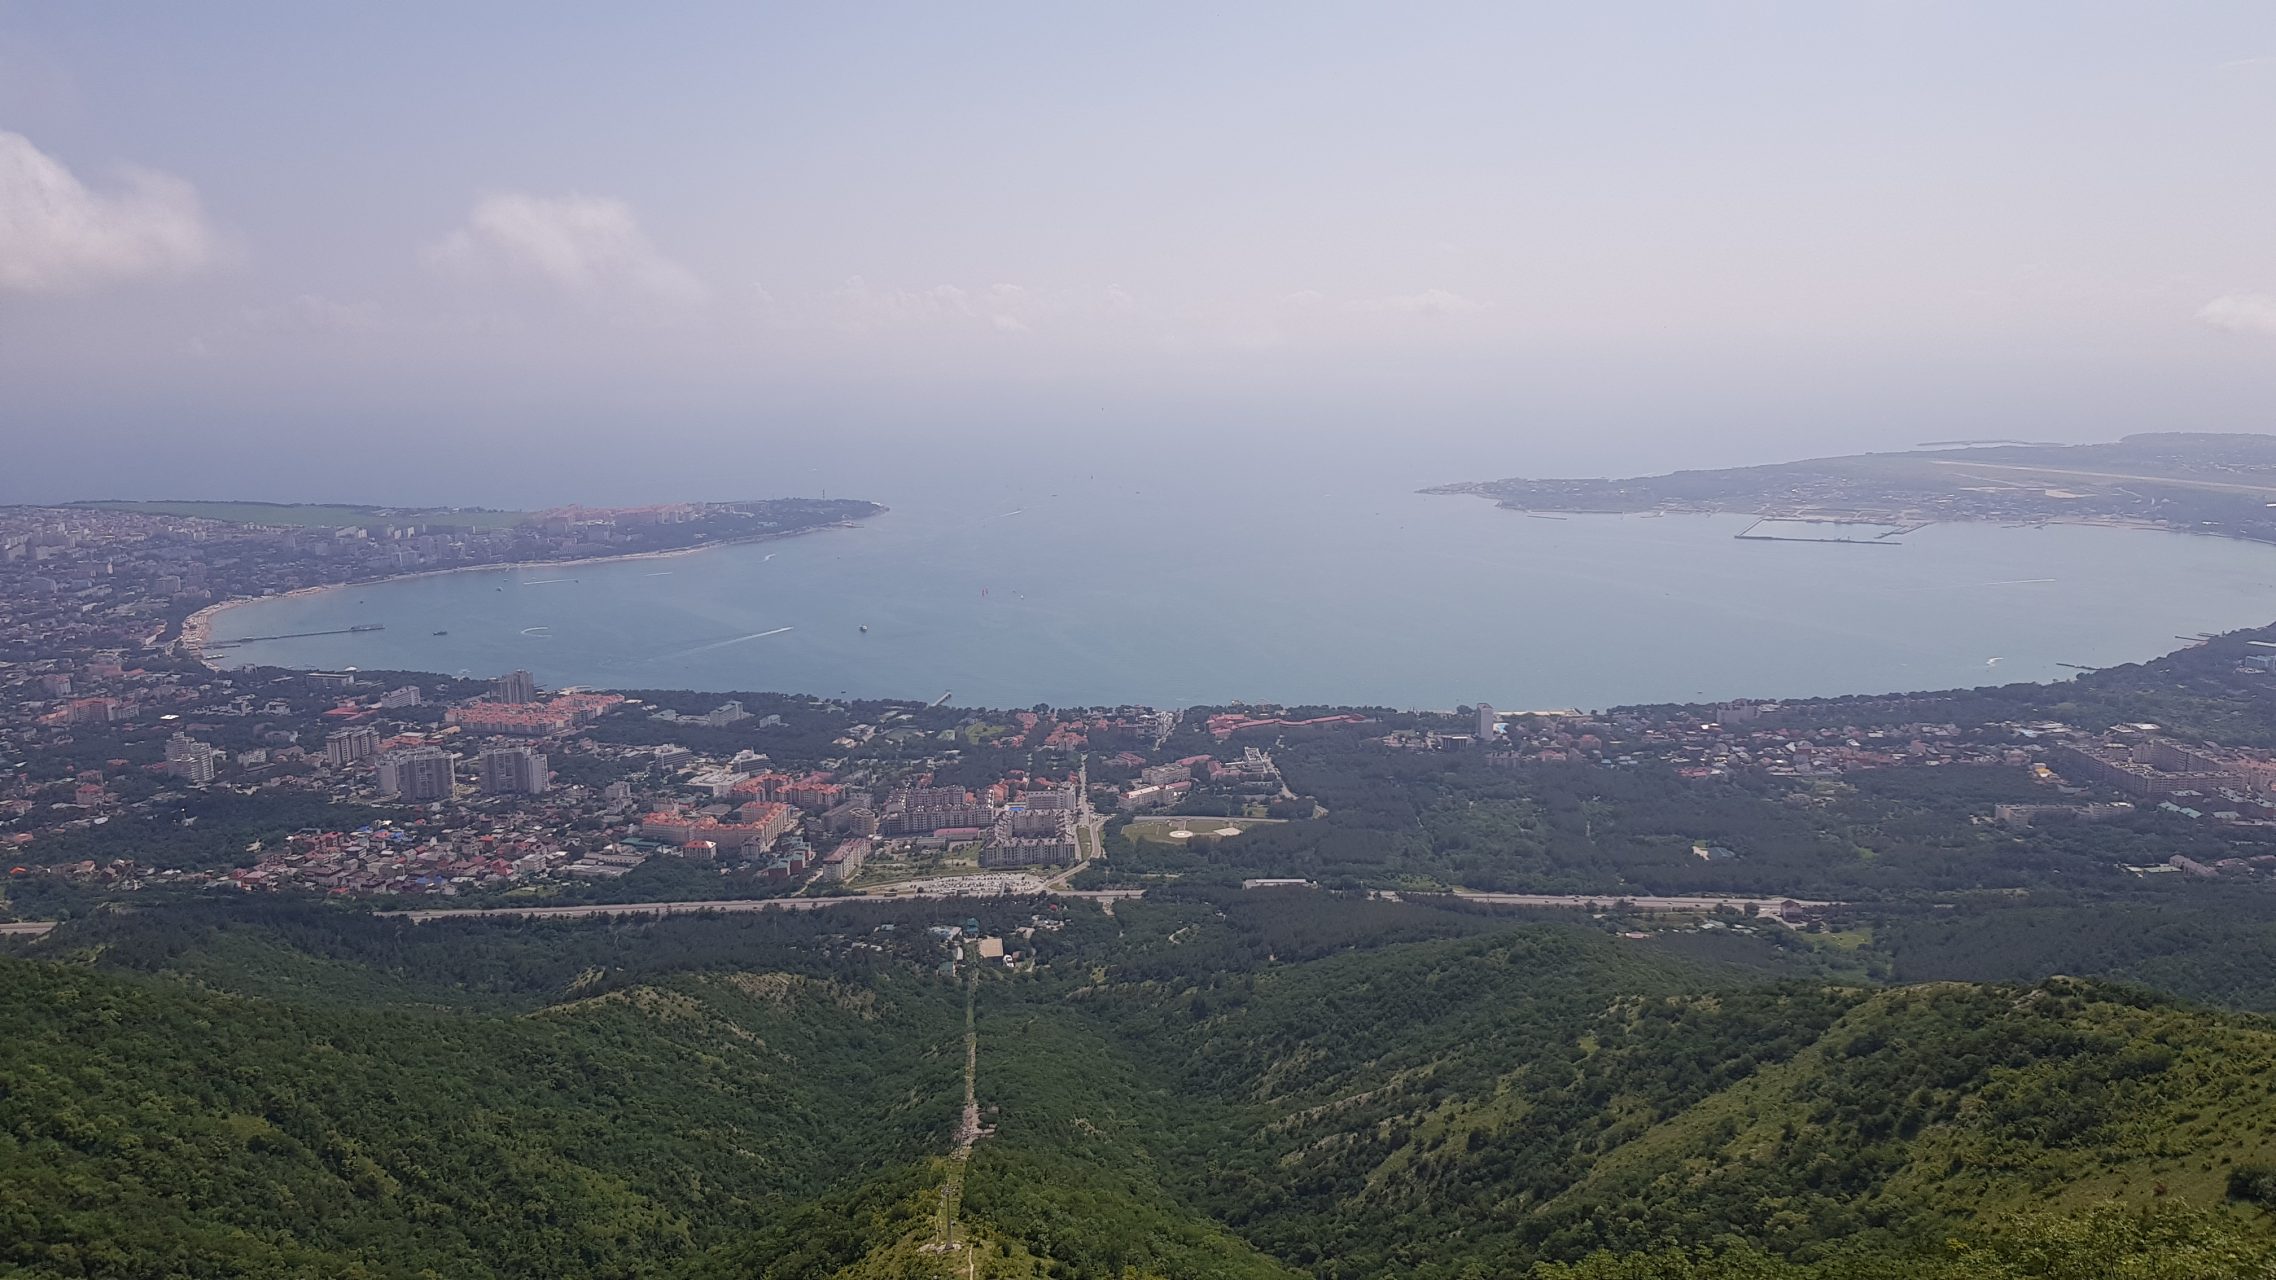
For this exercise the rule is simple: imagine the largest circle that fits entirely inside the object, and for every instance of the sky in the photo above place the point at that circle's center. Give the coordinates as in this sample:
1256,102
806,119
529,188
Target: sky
553,252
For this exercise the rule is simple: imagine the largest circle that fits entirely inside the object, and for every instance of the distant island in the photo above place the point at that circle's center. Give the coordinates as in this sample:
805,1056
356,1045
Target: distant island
2184,481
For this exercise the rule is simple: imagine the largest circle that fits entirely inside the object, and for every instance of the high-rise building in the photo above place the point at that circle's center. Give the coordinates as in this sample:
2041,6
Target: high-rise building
189,759
514,687
418,774
347,746
1485,722
514,771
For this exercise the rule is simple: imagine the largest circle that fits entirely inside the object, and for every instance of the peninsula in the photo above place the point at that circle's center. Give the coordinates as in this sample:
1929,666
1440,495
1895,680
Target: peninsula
188,561
2187,482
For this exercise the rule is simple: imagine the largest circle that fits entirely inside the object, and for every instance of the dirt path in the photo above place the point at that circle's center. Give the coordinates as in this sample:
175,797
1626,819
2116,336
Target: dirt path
949,1236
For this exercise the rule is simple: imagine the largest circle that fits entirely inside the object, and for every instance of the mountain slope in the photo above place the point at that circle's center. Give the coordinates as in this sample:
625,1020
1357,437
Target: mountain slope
1222,1087
146,1128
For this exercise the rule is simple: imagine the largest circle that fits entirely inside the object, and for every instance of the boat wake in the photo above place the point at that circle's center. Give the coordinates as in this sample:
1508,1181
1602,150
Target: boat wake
1975,586
721,644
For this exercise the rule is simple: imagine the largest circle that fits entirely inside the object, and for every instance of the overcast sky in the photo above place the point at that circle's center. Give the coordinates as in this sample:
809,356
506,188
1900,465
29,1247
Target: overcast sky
291,250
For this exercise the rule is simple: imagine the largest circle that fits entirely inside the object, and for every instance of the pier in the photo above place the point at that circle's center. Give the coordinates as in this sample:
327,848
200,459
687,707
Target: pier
1885,538
357,629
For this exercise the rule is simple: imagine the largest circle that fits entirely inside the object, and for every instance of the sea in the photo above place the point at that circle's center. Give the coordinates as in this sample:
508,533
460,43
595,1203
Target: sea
1100,577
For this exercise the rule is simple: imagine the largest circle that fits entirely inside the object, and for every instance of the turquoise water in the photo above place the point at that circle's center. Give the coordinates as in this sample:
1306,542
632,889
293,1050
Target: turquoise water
1173,591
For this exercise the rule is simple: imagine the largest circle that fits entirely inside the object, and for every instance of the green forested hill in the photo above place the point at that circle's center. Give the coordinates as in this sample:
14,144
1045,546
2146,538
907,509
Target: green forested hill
218,1135
1245,1087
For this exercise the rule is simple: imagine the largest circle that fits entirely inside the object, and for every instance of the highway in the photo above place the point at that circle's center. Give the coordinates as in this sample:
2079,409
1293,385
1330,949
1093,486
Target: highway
1104,897
1607,901
582,910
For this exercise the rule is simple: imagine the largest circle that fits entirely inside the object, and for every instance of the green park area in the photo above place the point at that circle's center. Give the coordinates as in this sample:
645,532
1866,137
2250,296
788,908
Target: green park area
1164,829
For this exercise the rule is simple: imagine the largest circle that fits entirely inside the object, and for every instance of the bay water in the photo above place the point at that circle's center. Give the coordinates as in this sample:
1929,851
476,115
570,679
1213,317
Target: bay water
1103,577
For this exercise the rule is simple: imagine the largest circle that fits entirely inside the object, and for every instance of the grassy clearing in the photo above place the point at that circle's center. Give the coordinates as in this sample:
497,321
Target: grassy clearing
961,861
1843,939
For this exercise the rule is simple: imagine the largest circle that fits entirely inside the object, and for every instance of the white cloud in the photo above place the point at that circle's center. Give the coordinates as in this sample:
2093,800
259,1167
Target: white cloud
587,247
314,313
57,236
2241,313
1430,302
1004,308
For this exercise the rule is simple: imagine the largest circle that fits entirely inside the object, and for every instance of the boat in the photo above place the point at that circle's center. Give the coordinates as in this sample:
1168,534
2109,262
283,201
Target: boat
865,628
442,633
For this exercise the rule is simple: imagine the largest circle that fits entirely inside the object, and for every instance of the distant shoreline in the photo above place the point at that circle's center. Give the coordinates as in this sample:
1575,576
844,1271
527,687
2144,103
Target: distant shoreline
1857,517
197,629
2178,482
1838,517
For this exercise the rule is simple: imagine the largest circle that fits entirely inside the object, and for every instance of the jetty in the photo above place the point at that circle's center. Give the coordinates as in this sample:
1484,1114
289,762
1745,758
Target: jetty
357,629
1885,538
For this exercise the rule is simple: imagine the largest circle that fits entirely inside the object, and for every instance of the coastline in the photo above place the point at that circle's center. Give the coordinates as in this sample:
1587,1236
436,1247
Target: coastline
823,666
1858,517
197,629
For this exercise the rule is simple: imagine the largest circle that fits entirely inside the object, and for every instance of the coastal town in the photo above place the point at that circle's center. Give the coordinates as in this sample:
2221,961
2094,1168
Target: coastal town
129,763
121,575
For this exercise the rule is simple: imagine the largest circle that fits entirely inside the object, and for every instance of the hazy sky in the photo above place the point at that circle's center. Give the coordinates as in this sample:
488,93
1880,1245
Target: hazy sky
558,251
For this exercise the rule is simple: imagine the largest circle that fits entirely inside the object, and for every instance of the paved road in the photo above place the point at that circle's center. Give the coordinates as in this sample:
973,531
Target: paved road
1606,901
722,905
1104,897
1091,826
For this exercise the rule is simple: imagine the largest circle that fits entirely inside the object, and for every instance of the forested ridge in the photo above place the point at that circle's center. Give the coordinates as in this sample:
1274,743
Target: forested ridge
1206,1084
